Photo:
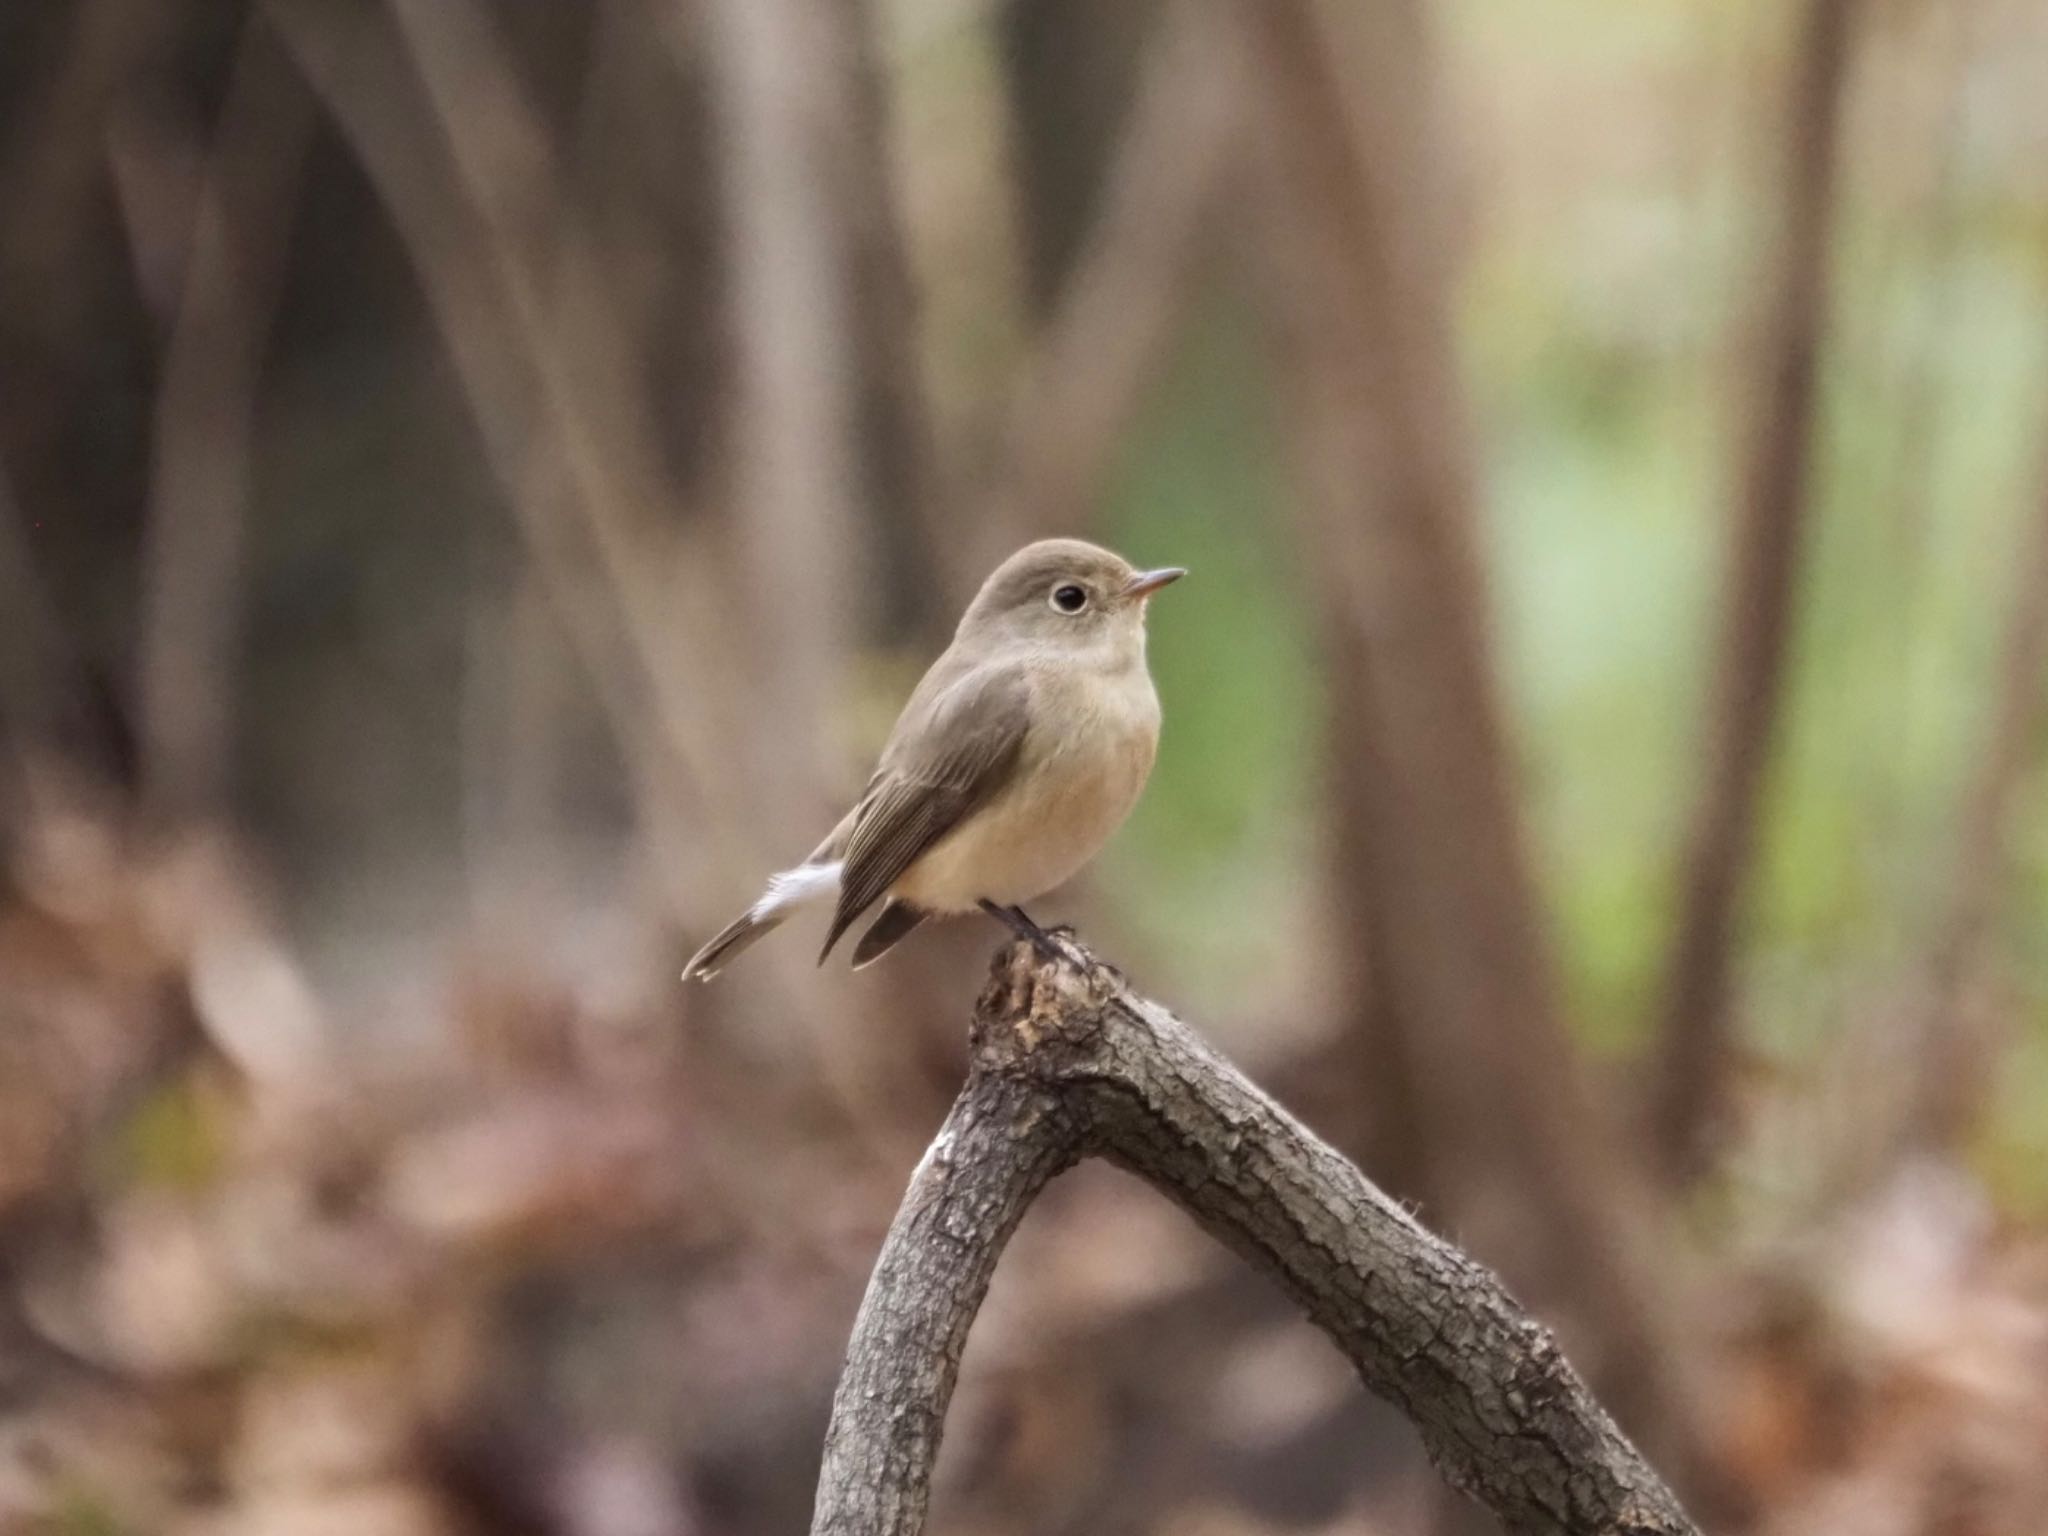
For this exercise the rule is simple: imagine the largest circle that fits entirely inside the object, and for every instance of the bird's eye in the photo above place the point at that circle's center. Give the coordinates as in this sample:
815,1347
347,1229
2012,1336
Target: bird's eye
1069,598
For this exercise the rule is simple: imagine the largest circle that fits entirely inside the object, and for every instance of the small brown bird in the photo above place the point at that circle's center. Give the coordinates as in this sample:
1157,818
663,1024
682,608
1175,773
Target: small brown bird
1020,752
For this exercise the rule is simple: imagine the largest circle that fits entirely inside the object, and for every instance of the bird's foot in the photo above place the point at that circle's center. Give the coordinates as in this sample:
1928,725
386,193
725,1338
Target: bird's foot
1019,922
1053,946
1083,956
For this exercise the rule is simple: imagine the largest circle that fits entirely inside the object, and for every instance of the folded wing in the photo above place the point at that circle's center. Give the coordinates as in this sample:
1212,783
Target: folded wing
950,755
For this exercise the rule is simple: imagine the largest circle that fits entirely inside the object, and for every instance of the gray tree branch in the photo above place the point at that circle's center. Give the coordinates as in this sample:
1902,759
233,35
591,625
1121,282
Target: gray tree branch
1066,1065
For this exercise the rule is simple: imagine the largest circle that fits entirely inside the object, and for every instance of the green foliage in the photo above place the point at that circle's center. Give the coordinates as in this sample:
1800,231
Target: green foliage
1608,430
1221,841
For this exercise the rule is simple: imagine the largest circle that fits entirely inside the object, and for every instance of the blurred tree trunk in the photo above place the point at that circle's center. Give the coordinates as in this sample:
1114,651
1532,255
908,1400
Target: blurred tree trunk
194,581
825,317
1127,285
1695,1052
43,724
75,335
1126,130
466,168
829,469
1070,65
1391,1130
646,163
922,589
1952,1062
784,106
832,461
1463,1014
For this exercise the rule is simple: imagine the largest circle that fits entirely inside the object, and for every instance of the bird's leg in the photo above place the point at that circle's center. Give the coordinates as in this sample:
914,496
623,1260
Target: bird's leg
1059,943
1063,931
1014,919
1018,921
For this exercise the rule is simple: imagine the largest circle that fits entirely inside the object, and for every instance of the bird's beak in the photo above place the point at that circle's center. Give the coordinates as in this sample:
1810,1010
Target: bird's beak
1145,583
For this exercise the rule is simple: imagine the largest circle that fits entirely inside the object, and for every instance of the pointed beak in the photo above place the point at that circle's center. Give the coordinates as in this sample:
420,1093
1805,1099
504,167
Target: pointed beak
1145,583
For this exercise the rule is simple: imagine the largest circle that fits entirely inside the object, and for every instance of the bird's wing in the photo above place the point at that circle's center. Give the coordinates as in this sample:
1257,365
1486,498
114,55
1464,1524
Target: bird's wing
950,755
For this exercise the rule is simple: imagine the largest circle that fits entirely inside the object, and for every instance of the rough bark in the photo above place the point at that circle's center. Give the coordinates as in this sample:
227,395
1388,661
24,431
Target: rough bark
1695,1050
1069,1063
1005,1138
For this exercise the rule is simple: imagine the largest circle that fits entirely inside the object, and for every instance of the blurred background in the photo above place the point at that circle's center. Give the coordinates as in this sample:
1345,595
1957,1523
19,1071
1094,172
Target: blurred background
478,477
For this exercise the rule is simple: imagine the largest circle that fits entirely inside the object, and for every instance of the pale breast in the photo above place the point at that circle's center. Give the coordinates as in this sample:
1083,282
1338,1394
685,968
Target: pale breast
1074,788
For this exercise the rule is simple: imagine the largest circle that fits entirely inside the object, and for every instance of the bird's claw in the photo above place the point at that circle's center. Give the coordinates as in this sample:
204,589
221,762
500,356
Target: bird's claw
1059,945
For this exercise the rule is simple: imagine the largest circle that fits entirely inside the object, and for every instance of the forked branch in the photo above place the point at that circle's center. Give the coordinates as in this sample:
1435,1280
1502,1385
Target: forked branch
1067,1065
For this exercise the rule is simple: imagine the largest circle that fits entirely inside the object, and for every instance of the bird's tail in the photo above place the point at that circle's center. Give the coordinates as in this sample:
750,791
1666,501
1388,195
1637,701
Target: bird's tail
793,888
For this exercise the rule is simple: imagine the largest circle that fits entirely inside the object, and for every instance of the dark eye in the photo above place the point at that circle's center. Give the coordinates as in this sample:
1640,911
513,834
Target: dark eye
1069,598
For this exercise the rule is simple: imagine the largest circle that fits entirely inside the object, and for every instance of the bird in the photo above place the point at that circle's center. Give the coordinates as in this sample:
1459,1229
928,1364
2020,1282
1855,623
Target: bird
1019,753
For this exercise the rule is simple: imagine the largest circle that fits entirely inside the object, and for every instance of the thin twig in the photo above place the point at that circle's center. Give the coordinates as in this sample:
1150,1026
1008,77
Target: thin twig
1067,1063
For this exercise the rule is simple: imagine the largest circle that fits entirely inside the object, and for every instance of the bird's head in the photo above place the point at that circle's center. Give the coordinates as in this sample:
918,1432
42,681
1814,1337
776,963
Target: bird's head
1065,595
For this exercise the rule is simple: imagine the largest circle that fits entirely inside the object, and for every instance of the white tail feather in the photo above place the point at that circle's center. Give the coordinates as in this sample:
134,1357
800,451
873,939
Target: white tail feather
798,887
786,892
